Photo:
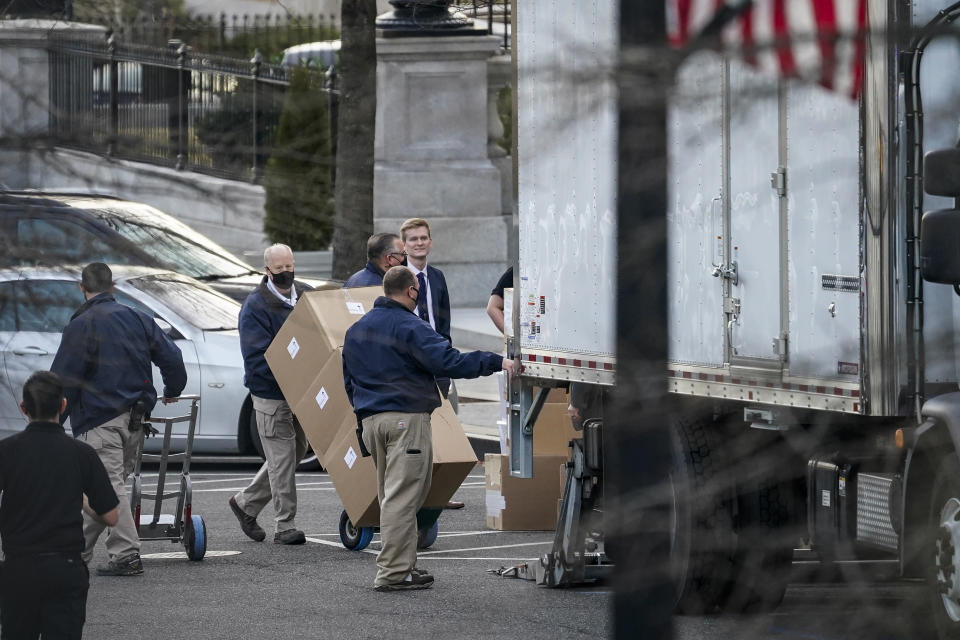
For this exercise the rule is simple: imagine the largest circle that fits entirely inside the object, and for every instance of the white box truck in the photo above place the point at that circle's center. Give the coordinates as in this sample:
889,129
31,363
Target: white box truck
813,371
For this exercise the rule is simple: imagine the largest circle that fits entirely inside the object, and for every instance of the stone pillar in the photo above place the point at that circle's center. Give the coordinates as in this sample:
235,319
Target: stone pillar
431,158
499,76
25,87
25,73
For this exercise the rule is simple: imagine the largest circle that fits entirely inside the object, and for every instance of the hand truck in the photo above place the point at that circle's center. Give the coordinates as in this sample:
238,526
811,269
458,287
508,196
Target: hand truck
183,525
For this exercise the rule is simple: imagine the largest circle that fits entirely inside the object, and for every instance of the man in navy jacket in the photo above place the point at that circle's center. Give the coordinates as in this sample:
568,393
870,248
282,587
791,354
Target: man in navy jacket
391,360
384,250
283,440
104,361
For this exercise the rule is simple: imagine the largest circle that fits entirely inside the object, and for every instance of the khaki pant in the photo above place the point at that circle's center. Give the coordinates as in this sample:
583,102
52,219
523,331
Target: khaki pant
284,445
402,448
118,449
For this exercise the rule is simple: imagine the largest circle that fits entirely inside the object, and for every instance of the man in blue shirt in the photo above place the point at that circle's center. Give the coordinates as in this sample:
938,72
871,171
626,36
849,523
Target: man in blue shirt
391,360
104,361
384,250
283,440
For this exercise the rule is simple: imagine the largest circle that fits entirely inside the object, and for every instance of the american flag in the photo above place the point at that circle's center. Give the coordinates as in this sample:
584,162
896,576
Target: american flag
818,40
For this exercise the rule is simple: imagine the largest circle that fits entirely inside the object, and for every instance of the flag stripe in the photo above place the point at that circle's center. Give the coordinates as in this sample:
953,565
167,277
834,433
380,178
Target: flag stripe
820,40
826,18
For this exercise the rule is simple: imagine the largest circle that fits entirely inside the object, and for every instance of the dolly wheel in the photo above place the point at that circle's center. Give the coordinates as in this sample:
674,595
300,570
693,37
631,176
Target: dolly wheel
195,538
352,537
426,537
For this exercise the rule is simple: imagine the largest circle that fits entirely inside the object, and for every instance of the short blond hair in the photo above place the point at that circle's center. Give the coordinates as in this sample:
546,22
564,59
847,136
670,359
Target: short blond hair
413,223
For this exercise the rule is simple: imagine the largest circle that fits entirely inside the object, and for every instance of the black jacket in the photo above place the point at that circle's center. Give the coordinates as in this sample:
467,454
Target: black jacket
104,360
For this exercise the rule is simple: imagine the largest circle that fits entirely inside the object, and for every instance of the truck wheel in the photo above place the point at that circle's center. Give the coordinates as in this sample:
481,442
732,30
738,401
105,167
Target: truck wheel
764,550
701,539
943,549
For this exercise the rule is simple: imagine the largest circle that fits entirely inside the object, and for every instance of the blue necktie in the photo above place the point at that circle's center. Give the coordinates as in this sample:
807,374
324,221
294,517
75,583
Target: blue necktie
422,298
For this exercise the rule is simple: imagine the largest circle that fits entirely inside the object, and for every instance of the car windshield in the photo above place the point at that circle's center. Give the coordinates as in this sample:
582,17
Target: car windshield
196,303
193,256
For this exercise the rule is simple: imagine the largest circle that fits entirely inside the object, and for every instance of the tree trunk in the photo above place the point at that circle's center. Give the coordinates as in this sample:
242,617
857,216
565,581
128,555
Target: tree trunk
353,220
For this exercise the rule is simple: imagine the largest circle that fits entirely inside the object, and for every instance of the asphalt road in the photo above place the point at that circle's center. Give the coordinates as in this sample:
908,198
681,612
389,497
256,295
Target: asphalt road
245,589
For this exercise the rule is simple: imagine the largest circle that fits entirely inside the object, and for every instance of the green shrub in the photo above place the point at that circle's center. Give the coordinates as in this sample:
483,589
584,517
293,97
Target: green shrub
298,183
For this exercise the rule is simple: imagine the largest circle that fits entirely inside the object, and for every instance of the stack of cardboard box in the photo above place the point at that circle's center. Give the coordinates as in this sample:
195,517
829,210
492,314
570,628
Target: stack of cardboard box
530,504
305,357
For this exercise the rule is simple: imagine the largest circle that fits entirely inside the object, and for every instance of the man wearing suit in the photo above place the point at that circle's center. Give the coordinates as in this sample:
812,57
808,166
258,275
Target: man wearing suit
433,303
433,308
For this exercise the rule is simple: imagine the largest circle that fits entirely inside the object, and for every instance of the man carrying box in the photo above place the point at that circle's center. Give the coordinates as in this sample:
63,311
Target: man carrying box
391,360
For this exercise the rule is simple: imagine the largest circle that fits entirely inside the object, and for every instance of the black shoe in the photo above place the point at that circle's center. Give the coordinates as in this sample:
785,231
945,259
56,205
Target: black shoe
415,580
129,566
248,524
290,536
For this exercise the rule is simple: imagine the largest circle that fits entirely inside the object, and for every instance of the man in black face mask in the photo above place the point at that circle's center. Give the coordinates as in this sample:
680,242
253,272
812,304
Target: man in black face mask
283,440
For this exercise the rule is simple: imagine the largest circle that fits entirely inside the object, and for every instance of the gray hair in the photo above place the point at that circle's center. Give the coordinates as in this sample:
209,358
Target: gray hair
272,249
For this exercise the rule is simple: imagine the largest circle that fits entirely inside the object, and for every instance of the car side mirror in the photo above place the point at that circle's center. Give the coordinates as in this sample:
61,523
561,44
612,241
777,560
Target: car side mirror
940,246
167,328
941,173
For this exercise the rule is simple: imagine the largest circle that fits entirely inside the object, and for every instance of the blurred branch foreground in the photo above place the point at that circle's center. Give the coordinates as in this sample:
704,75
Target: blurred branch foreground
784,269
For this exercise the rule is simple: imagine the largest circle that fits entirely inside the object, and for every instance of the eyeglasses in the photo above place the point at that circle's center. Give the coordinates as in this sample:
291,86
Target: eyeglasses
417,289
402,254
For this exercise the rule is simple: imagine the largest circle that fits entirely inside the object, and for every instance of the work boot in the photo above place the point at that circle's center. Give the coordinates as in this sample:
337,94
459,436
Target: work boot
414,580
248,524
289,536
128,566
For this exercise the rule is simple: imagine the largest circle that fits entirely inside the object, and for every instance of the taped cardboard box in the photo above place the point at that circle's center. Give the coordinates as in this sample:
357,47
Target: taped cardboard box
523,504
312,331
324,406
355,477
554,430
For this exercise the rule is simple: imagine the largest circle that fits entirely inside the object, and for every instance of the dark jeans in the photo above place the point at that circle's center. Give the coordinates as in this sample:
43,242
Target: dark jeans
43,596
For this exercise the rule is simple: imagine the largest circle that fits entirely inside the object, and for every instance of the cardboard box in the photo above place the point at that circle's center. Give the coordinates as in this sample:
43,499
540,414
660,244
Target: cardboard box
554,430
453,456
324,405
355,477
523,504
312,331
305,357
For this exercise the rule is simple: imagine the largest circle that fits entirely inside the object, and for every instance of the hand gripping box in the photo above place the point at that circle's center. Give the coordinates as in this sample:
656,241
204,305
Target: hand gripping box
355,477
312,331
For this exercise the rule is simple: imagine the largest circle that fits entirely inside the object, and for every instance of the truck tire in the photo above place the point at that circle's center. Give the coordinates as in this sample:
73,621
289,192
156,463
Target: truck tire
764,549
702,527
942,546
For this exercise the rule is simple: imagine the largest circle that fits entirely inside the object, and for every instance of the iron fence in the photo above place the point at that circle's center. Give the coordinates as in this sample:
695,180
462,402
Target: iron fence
169,106
495,14
237,34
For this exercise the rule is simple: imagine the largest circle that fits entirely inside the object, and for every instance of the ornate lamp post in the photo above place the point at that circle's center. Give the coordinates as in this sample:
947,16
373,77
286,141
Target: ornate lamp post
425,18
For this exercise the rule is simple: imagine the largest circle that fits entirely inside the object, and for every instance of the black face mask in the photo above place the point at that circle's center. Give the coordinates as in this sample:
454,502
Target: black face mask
282,280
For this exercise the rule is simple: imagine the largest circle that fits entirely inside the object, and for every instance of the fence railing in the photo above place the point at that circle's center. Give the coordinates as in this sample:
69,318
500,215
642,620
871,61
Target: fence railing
495,13
235,34
169,106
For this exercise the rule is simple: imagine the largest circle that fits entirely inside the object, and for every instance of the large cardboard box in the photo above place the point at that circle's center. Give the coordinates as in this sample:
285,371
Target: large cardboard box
324,405
312,331
355,477
523,504
553,430
306,359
